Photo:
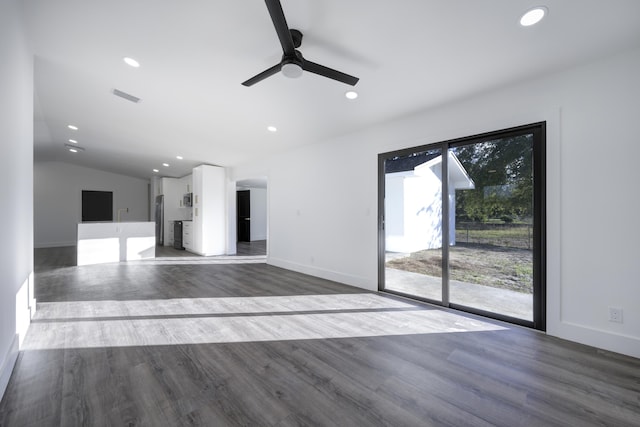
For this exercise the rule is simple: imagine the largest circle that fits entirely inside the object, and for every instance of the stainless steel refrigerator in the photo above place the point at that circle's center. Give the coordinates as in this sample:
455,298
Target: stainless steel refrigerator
160,220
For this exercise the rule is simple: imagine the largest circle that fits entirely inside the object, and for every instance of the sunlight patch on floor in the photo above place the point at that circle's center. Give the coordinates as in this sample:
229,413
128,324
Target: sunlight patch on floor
93,324
196,260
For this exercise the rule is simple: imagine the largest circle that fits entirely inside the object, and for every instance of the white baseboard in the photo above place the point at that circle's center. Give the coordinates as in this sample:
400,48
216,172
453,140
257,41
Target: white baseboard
606,340
8,361
347,279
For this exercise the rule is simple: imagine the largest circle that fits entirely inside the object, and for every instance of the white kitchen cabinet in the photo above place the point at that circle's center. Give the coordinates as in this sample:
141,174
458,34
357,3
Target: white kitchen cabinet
187,235
209,210
169,234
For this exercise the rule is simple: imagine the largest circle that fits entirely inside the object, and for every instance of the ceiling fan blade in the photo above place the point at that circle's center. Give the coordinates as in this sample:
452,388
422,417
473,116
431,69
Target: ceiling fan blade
263,75
321,70
280,23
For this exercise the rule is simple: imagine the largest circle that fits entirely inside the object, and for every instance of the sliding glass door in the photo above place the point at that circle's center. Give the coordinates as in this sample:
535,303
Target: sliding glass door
413,211
490,207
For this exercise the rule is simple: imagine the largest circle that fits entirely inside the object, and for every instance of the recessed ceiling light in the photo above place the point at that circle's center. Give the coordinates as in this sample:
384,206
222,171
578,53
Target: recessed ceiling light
533,16
166,165
73,140
73,148
351,94
272,129
179,157
132,62
156,170
72,127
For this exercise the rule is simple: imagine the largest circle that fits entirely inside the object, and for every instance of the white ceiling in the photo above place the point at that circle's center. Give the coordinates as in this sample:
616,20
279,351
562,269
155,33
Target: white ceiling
410,55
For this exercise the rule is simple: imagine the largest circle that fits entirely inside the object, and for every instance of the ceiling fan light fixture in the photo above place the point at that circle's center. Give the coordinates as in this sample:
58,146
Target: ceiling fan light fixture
293,63
291,70
351,94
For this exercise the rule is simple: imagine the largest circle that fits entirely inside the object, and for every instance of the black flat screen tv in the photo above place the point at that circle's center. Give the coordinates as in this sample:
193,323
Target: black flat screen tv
97,206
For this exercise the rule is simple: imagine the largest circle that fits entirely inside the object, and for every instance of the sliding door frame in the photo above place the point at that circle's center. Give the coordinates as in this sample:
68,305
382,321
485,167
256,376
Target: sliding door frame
539,220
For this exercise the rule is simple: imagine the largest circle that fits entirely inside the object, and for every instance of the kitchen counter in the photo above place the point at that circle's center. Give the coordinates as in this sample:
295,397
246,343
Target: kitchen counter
103,242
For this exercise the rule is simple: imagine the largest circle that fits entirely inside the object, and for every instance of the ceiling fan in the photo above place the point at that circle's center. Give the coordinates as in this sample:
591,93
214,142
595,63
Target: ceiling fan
293,63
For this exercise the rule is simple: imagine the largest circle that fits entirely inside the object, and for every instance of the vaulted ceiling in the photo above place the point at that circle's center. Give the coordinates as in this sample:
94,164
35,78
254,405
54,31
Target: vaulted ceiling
410,55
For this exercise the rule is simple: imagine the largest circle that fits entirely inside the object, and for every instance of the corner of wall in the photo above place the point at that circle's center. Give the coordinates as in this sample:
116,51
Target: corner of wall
7,363
16,122
25,309
606,340
347,279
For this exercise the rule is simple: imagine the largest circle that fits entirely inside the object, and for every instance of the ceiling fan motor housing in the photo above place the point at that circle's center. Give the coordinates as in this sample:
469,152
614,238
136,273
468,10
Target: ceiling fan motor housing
296,36
293,63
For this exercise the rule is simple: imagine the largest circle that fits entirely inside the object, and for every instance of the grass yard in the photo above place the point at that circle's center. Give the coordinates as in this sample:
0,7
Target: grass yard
499,257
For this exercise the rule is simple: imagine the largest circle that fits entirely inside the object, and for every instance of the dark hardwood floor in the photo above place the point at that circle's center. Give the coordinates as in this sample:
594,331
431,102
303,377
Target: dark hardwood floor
255,248
173,344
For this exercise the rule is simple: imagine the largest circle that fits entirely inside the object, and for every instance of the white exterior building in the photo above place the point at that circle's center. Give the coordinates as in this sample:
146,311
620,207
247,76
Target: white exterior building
413,205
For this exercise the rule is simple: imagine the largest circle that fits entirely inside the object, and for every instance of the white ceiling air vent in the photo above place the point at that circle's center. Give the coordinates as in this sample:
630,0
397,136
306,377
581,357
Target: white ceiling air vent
126,96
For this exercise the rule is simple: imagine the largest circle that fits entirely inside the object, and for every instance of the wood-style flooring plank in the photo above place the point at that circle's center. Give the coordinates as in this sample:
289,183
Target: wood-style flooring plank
185,343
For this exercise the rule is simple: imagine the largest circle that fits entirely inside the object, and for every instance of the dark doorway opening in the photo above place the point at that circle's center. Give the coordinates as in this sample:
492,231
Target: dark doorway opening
244,215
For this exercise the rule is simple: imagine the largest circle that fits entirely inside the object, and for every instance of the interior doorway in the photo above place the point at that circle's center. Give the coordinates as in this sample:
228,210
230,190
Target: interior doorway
251,228
243,209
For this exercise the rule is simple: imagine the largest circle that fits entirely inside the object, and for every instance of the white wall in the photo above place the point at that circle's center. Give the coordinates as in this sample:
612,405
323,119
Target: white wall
58,199
16,191
258,202
321,226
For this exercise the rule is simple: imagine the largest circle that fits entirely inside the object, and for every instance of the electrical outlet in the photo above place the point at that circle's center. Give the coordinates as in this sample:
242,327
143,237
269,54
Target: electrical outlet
615,314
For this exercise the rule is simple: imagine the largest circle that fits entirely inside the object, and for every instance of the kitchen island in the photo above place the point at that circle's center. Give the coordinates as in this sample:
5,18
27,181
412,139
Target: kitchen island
101,242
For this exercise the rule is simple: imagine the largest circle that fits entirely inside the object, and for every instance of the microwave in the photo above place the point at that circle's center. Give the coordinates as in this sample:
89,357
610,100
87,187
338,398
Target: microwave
187,200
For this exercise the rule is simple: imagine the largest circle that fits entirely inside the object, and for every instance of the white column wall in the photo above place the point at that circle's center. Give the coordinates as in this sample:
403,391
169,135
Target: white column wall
210,216
16,192
322,214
